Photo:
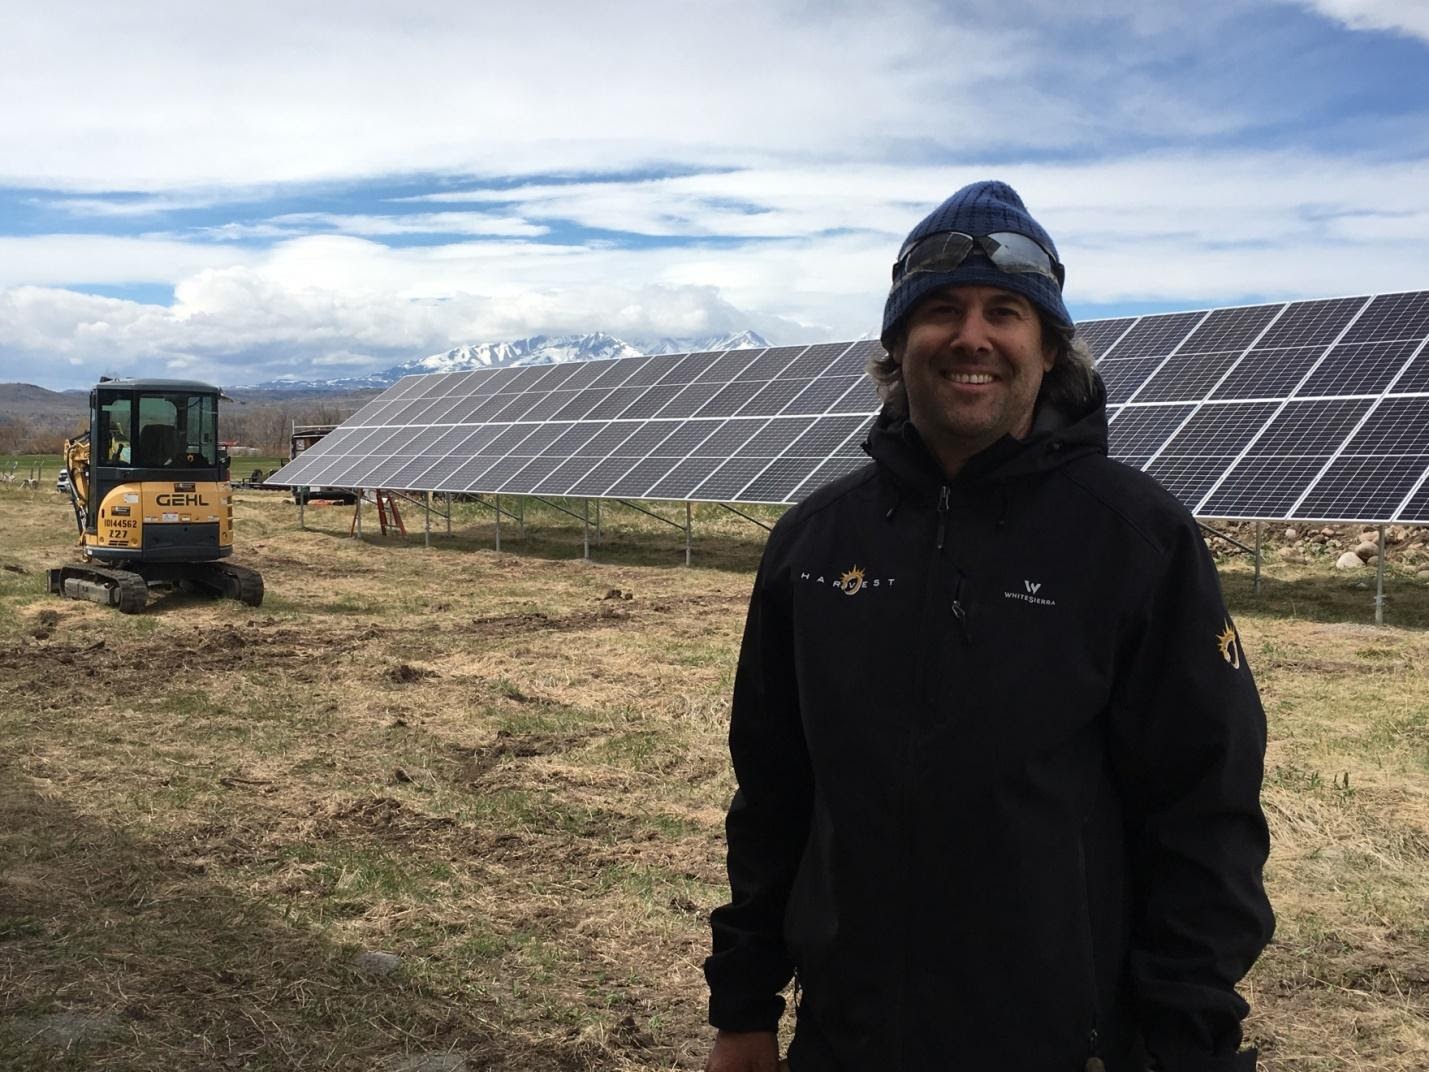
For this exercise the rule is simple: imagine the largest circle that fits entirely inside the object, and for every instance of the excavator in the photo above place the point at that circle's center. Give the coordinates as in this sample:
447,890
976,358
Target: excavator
149,486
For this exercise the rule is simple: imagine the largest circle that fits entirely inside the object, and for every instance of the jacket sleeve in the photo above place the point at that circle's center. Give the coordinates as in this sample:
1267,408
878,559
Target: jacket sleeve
768,820
1187,746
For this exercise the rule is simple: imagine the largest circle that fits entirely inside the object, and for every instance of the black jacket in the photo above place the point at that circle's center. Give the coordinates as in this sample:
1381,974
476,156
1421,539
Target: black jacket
999,757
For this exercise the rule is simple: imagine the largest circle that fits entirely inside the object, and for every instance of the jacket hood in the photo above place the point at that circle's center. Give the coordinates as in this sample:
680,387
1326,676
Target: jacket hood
1058,436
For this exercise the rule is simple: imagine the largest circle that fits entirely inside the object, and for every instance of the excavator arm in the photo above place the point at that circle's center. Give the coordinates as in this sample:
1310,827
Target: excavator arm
77,463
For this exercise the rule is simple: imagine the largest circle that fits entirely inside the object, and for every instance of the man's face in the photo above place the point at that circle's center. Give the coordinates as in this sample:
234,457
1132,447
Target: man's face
973,360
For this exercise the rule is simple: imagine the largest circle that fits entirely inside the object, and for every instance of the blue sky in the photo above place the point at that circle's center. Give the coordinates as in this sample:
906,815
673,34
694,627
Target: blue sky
274,191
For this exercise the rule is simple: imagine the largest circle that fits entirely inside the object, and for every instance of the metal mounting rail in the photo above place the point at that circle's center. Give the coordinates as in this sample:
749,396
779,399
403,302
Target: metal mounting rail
751,520
688,527
1227,537
499,510
555,506
651,513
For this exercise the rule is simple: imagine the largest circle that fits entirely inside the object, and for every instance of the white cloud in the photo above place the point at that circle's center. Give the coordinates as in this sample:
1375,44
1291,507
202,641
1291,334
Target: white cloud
1408,17
86,259
1190,229
162,96
421,223
124,208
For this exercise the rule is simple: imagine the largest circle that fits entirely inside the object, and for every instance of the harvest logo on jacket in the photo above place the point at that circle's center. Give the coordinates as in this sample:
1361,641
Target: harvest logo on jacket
850,582
1230,647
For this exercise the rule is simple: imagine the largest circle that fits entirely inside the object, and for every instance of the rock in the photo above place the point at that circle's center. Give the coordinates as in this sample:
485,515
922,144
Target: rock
1349,561
1292,534
426,1062
1423,573
1367,551
375,963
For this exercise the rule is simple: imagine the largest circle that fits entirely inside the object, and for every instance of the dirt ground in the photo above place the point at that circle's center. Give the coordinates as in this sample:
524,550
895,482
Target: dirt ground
508,770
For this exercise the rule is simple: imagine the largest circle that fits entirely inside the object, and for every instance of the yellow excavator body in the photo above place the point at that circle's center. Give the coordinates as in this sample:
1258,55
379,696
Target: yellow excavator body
153,505
127,509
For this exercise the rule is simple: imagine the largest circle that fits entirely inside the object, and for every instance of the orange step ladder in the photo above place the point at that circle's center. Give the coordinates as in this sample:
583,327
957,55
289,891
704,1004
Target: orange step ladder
387,513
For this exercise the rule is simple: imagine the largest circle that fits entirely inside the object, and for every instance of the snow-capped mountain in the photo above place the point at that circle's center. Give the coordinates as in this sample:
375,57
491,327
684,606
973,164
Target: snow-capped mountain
537,350
744,340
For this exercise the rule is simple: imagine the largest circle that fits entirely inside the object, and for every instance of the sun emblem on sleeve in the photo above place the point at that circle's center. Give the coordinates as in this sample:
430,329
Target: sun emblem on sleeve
1230,649
851,582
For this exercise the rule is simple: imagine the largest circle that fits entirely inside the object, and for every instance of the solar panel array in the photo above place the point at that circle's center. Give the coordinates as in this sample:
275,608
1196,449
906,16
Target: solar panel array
1315,410
736,426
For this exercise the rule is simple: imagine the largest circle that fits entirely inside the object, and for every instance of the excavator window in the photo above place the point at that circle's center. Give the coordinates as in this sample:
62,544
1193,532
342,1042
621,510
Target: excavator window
178,431
113,442
158,443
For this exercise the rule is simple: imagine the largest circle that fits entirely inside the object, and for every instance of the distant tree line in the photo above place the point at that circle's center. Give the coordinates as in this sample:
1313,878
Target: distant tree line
27,435
266,427
270,427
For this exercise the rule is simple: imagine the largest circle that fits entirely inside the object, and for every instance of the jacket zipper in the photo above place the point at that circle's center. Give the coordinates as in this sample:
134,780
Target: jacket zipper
960,612
920,682
1094,1061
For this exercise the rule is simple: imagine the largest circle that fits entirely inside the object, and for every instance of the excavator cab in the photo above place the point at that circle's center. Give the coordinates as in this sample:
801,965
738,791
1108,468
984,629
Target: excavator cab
151,496
156,433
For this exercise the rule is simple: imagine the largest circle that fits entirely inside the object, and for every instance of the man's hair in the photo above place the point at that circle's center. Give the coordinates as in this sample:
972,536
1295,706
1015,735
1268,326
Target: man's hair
1068,384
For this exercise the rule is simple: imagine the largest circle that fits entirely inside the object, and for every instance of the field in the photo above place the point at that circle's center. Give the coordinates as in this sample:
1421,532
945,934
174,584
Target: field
507,771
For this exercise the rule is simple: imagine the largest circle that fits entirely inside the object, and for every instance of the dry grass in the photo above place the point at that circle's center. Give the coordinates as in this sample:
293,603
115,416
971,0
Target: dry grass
490,766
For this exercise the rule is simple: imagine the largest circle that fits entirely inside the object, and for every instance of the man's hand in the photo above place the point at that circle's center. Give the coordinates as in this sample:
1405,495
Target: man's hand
744,1051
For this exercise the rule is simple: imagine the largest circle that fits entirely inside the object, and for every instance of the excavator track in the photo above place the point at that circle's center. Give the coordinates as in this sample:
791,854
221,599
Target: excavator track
129,590
111,587
232,582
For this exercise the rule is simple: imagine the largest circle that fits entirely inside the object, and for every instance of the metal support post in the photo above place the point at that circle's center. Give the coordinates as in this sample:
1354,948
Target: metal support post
1259,527
498,522
1379,582
427,522
357,515
689,528
585,527
599,540
521,520
449,513
302,506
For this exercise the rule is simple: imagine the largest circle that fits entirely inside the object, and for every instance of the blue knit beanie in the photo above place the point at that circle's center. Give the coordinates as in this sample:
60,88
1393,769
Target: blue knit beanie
979,209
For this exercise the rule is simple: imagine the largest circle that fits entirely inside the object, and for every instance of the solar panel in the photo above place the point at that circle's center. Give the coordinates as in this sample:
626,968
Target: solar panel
1319,415
1317,410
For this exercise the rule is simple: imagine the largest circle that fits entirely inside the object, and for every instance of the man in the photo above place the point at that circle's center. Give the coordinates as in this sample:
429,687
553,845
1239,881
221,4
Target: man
998,750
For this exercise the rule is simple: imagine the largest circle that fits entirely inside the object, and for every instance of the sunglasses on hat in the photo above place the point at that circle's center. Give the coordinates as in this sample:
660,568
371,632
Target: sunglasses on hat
946,250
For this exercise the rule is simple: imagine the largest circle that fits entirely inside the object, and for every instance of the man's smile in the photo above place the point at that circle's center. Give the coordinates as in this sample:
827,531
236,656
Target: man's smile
969,377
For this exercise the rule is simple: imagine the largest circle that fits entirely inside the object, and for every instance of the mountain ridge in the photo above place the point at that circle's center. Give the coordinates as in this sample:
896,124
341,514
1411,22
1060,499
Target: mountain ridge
533,350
